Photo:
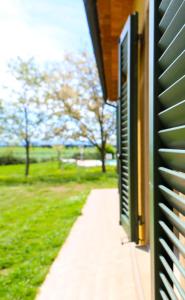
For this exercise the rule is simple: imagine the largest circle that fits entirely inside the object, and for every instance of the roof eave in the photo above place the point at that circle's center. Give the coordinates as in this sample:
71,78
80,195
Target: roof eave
92,18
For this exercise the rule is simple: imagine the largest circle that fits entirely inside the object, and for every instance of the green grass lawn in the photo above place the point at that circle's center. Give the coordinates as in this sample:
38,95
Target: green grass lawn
36,217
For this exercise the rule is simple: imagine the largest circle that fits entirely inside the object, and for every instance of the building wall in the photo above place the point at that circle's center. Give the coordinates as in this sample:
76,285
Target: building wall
142,7
112,15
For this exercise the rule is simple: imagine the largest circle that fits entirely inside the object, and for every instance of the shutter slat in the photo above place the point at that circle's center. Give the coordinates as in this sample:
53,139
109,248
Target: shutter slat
124,193
175,200
125,143
168,287
123,96
124,117
124,93
173,137
124,136
175,179
163,295
172,276
124,111
172,256
174,94
169,13
174,49
167,147
125,199
175,221
164,5
125,168
126,188
127,162
174,158
176,242
124,129
125,180
124,154
173,72
125,211
124,148
125,205
124,105
174,26
125,123
174,115
125,174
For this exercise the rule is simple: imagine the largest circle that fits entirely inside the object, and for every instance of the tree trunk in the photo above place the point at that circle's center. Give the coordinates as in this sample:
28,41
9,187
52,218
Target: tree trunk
103,154
103,145
59,158
27,166
27,143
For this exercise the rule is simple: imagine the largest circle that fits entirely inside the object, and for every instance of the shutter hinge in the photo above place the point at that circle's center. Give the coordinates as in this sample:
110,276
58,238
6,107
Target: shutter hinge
140,37
140,220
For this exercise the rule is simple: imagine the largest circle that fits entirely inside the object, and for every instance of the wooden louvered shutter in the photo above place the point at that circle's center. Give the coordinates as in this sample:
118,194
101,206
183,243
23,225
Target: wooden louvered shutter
167,147
127,128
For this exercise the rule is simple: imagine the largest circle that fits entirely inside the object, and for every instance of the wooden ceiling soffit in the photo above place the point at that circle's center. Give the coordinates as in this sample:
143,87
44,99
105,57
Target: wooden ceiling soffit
112,15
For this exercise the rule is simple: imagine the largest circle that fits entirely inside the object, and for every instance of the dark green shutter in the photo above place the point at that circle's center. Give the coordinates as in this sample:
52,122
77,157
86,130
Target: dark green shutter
127,127
167,146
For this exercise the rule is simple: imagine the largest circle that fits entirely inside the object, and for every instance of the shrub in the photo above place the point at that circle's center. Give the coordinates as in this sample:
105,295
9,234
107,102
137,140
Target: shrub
11,160
87,155
110,149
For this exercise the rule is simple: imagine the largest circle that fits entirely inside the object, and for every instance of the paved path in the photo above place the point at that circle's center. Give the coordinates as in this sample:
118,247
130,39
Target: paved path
97,262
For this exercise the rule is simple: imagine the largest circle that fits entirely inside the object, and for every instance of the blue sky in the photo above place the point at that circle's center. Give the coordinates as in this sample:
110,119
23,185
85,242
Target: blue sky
44,29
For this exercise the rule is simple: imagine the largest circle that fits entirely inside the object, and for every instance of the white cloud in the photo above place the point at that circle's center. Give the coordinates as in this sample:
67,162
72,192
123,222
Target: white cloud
18,37
44,29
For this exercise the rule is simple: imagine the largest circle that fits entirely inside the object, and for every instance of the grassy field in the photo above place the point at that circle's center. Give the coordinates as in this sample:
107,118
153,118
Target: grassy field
36,216
44,153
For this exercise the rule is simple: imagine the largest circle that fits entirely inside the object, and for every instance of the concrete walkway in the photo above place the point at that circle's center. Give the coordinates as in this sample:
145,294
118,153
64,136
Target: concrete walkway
97,262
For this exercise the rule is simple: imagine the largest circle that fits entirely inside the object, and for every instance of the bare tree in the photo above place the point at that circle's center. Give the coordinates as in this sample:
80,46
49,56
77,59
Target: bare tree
93,120
57,90
25,111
